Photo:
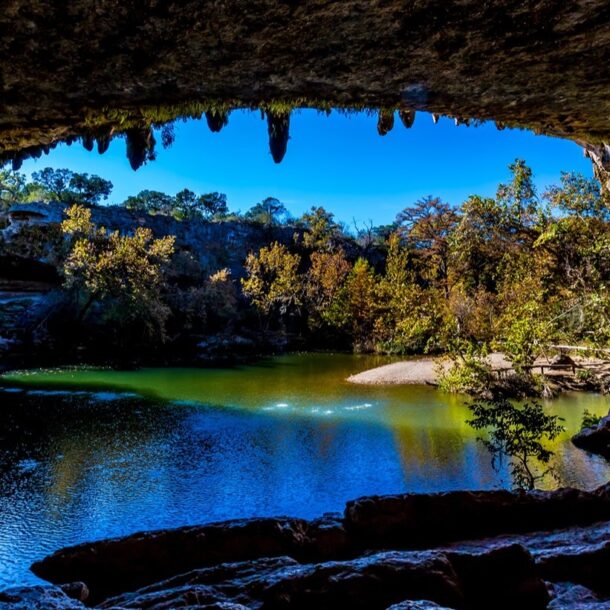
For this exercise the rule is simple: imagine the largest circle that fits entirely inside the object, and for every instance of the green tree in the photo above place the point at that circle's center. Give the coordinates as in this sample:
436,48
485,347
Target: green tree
519,199
355,307
151,202
578,196
214,205
12,186
519,433
69,187
269,212
321,230
324,280
479,244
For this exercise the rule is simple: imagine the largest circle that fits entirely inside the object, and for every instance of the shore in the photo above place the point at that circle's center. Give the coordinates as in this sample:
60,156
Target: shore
426,371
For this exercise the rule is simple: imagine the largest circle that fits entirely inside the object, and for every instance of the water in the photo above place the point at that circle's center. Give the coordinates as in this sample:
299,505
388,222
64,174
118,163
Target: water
89,454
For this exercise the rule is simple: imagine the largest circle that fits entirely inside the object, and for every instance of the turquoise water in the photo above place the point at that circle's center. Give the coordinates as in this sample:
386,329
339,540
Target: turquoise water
87,454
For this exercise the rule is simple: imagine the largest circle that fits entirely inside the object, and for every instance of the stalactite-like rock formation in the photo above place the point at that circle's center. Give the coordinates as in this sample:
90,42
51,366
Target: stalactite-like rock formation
140,146
216,120
110,66
278,127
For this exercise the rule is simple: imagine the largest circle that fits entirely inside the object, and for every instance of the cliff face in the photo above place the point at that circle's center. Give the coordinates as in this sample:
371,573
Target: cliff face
215,245
31,247
95,69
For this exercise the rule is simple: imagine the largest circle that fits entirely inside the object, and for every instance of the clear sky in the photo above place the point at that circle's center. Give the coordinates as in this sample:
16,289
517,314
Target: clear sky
336,161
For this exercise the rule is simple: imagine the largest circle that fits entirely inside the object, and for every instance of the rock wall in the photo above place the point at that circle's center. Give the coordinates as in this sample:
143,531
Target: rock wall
214,244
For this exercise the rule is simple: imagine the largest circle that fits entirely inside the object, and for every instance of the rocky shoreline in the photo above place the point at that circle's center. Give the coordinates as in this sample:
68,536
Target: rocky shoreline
461,550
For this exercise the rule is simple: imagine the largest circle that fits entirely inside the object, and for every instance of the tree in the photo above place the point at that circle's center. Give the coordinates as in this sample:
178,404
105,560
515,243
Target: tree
88,190
11,187
121,270
187,206
519,199
407,319
214,205
272,283
427,228
325,278
69,187
518,433
355,305
478,243
151,202
578,196
269,212
321,230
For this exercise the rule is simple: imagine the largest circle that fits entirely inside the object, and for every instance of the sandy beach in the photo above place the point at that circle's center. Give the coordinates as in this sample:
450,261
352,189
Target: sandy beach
422,371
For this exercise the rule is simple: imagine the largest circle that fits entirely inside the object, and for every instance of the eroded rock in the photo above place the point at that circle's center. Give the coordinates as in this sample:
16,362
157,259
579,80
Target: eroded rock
107,64
412,520
568,596
373,583
595,440
124,564
330,563
39,597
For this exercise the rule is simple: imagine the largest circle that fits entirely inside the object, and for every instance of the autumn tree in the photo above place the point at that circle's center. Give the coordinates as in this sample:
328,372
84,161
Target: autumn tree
323,283
125,272
427,228
273,284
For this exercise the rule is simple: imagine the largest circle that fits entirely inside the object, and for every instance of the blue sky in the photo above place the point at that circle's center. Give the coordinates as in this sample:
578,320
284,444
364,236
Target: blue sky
336,161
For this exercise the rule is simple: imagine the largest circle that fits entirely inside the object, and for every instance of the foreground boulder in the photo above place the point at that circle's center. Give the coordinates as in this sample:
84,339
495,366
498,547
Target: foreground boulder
595,440
415,520
372,582
417,605
492,550
506,577
568,596
37,598
124,564
586,566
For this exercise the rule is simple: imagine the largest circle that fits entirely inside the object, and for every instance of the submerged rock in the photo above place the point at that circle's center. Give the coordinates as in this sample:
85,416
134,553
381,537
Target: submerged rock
595,440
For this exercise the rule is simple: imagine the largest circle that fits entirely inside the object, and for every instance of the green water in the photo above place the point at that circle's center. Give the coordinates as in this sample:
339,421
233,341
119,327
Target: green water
301,385
90,453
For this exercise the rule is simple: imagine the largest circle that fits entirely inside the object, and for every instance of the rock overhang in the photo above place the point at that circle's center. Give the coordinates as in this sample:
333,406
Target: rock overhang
95,70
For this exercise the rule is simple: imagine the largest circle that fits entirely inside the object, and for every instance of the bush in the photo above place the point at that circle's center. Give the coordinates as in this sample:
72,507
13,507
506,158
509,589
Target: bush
589,420
467,375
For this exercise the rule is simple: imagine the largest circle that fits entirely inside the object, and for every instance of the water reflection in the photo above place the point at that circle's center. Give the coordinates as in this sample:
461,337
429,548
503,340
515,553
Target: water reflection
77,465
